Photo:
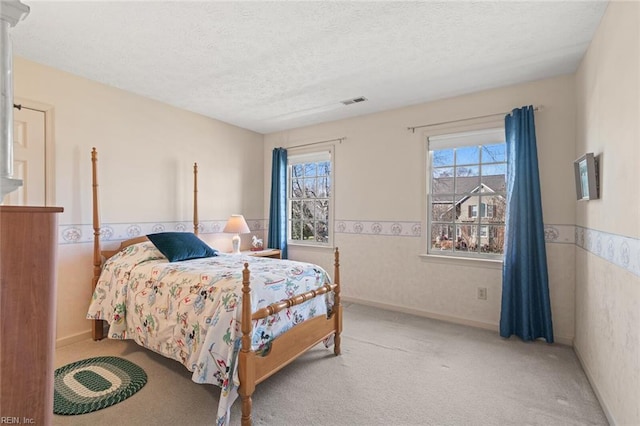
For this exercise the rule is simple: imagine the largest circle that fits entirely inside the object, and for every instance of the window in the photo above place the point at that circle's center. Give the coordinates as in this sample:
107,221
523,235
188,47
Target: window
467,194
310,194
485,210
490,211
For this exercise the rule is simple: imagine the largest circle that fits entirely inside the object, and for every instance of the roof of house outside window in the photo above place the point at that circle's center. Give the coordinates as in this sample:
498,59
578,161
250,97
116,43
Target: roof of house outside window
466,185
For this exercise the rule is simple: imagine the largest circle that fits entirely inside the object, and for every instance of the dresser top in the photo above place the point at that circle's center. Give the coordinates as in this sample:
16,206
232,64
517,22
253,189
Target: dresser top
30,209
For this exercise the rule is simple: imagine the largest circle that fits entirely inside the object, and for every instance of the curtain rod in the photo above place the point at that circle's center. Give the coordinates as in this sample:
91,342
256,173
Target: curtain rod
316,143
413,128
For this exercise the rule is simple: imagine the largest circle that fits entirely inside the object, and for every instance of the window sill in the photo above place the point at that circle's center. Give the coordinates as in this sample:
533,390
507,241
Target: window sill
312,246
462,261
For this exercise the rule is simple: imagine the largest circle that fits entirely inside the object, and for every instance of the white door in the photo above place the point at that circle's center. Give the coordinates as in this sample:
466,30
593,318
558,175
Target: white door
28,158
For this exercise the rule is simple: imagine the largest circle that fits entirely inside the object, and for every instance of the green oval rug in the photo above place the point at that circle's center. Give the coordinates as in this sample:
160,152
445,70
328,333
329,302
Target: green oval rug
95,383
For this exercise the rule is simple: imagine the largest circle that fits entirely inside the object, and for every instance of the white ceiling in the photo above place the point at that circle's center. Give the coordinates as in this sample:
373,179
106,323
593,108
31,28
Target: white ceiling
269,66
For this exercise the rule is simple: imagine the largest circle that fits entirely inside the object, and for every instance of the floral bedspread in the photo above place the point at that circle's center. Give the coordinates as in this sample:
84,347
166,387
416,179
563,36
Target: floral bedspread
190,311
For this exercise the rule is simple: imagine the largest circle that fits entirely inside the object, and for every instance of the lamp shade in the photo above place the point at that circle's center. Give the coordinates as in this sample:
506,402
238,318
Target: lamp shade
236,225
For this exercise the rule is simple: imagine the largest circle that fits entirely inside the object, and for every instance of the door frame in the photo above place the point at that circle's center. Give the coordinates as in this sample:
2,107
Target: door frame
49,145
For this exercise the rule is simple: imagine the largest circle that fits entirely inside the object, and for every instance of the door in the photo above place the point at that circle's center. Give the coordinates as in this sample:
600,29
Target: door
28,158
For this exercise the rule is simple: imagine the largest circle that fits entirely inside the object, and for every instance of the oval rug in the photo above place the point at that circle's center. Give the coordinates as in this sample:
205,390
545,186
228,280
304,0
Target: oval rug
95,383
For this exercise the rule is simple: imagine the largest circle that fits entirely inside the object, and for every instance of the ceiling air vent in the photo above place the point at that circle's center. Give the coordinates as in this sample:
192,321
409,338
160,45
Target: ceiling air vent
354,100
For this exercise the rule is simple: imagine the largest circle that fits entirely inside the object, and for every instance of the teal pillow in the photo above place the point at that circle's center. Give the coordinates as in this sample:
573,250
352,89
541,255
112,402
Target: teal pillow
177,246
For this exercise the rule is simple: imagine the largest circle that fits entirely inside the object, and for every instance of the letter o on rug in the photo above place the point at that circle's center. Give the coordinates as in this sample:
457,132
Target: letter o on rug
95,383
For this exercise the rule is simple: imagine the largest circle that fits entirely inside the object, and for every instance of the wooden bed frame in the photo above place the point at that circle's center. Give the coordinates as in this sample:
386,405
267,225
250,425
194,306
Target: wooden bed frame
253,368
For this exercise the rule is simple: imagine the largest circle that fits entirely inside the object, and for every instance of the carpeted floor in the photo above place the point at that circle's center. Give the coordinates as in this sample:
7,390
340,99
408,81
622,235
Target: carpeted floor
395,369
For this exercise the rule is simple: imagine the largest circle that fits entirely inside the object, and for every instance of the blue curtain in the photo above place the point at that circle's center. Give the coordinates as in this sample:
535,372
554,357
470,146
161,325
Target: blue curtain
526,310
277,237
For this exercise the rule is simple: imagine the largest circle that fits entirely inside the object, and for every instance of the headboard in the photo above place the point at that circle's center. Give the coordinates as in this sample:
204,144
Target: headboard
98,254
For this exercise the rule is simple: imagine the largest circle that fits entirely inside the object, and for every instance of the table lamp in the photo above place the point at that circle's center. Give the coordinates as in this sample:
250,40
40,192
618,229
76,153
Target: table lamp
236,225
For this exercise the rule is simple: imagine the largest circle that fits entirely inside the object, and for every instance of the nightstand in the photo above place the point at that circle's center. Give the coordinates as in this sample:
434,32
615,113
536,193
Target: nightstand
272,253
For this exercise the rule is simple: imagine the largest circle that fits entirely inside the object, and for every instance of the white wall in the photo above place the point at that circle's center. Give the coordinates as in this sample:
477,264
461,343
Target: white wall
146,151
608,253
379,177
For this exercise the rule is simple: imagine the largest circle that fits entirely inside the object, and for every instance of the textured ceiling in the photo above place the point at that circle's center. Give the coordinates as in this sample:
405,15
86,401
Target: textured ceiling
269,66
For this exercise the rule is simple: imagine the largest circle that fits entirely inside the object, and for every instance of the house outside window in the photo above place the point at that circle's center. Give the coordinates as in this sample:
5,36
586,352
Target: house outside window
466,200
310,198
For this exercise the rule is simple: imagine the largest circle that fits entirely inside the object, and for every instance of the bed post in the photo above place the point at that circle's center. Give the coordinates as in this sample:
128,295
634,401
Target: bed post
196,225
337,306
97,330
246,371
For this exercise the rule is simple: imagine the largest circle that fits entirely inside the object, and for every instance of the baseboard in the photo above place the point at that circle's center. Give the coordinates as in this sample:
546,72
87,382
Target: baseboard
447,318
603,404
75,338
567,341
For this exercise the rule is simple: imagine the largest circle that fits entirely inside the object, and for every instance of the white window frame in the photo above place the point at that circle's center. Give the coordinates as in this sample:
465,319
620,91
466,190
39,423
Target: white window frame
489,207
310,155
453,135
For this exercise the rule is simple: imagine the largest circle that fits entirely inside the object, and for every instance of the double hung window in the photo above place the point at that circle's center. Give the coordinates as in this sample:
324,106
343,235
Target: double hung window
466,200
310,198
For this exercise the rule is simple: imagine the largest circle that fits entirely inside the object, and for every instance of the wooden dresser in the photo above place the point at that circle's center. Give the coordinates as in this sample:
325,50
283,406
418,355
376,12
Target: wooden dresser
28,244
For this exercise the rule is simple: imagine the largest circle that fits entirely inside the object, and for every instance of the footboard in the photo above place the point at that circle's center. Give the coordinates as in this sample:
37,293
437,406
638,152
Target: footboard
254,368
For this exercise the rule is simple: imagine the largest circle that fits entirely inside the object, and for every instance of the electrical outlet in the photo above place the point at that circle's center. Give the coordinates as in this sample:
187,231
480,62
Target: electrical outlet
482,293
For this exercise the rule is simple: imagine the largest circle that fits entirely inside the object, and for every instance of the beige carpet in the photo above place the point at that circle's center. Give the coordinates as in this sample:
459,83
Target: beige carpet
395,369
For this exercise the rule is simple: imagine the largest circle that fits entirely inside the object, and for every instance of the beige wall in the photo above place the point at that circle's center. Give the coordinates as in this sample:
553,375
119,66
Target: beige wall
379,176
146,152
608,254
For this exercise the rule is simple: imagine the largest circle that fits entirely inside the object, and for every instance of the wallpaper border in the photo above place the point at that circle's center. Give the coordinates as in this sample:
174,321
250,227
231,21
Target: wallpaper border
561,234
76,234
617,249
379,227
